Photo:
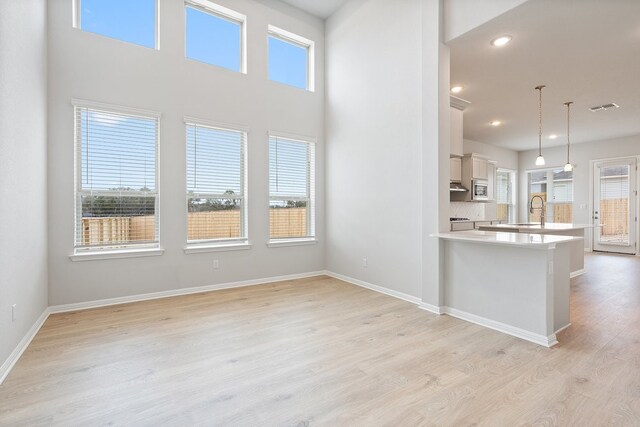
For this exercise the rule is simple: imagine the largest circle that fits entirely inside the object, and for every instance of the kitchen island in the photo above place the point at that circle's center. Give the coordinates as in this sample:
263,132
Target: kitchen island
515,283
558,229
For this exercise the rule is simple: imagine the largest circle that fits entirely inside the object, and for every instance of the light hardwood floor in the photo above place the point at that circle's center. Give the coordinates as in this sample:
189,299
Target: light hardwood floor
323,352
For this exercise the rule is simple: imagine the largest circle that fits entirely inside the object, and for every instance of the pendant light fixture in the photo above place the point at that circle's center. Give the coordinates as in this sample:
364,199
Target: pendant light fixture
568,167
540,159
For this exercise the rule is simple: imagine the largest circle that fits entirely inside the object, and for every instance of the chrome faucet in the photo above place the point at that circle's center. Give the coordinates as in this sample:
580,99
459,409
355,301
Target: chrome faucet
531,208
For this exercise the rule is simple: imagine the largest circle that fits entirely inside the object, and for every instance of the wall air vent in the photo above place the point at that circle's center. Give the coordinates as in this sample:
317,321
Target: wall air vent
604,107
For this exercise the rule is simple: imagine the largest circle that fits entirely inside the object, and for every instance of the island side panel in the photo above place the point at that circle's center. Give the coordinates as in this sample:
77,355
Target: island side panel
562,285
505,284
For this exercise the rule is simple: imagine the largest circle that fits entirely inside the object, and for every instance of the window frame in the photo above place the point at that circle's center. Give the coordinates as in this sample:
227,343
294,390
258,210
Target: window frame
512,209
296,40
311,237
226,14
207,245
118,250
77,23
548,204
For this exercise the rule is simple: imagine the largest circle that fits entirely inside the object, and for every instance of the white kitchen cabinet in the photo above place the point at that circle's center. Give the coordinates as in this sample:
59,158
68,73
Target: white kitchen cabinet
480,168
461,226
456,132
478,224
455,169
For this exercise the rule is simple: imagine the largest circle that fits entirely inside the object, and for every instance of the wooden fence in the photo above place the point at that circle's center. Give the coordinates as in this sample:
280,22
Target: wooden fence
289,222
614,217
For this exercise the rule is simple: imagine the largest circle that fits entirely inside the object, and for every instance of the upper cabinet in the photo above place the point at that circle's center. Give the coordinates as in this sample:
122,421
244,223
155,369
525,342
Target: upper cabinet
479,168
457,108
456,132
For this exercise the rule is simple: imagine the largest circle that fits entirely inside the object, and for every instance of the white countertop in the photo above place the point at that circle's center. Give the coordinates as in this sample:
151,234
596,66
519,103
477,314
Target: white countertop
505,238
535,227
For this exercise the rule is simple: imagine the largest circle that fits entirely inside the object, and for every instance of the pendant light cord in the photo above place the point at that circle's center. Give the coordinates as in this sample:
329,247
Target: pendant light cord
568,104
539,89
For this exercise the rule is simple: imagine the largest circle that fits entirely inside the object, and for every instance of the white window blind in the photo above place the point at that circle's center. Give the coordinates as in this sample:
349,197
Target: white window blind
216,208
116,180
291,188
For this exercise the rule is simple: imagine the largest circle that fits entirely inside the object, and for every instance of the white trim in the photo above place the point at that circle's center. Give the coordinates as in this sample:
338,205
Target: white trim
198,249
576,273
292,137
190,120
430,308
372,287
8,364
178,292
281,243
101,255
114,108
549,341
217,9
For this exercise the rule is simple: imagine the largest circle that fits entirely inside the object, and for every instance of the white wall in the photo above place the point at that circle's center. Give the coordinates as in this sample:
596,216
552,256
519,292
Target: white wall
581,155
506,158
461,16
373,143
23,168
87,66
379,122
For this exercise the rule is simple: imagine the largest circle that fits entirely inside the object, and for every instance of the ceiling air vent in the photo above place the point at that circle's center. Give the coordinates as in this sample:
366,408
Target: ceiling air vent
604,107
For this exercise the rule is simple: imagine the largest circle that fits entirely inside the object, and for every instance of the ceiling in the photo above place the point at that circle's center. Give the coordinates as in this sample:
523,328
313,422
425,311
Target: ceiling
322,9
586,51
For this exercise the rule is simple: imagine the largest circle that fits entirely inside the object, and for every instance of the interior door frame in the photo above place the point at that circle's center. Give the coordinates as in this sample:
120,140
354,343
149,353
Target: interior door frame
591,198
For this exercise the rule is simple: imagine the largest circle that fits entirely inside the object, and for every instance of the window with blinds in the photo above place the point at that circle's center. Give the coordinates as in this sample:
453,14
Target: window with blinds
505,195
116,180
291,188
216,189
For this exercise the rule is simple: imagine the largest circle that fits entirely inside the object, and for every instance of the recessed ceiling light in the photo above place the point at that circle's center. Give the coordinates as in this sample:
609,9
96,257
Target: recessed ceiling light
553,136
496,123
501,41
456,89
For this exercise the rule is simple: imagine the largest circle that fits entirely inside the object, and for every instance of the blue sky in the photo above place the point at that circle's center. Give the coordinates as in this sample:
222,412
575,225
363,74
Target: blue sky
288,162
133,21
209,38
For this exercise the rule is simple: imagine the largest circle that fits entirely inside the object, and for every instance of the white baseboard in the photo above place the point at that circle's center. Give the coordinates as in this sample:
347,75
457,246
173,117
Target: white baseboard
381,289
22,345
64,308
430,308
576,273
549,341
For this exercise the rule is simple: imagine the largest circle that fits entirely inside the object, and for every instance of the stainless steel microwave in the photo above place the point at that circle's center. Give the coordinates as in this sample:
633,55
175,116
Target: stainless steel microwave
479,190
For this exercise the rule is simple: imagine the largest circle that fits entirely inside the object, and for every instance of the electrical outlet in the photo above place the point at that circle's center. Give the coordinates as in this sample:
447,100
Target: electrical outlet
13,312
365,263
216,264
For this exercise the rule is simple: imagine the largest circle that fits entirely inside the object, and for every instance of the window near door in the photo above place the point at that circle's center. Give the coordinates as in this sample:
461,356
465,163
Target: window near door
216,185
215,35
116,179
555,186
291,59
130,21
291,188
506,195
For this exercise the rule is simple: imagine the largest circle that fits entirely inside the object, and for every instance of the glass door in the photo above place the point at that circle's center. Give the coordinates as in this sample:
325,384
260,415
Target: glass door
614,206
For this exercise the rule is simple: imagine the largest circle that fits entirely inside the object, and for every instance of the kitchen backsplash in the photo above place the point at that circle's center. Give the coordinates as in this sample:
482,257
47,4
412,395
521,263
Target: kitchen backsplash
469,210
